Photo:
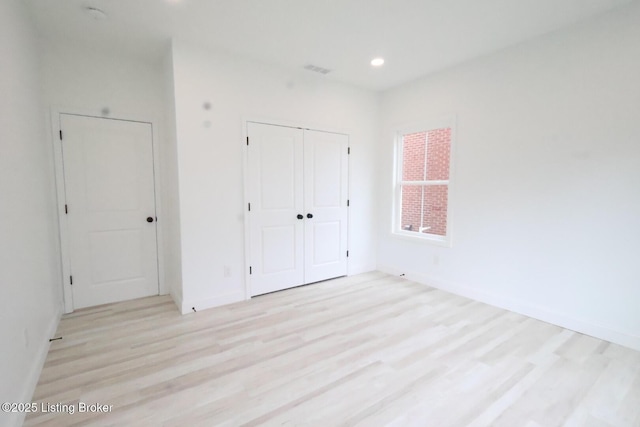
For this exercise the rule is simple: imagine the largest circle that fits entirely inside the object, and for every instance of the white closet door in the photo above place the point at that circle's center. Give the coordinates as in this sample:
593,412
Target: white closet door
109,185
326,213
275,190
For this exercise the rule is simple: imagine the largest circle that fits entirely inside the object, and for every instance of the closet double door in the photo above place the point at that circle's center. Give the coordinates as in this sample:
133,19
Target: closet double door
297,185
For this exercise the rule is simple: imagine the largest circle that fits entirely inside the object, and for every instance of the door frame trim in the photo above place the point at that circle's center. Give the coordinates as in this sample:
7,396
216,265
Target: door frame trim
245,176
65,260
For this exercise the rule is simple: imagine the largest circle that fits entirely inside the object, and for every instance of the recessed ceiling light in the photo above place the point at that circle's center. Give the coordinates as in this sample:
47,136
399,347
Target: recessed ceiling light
95,13
377,62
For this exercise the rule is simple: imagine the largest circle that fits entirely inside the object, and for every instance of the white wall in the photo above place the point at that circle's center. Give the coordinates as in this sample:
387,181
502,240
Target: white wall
171,200
30,280
80,78
546,216
130,88
210,160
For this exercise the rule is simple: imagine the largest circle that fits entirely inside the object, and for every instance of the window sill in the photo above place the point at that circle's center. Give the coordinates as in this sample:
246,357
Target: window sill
423,237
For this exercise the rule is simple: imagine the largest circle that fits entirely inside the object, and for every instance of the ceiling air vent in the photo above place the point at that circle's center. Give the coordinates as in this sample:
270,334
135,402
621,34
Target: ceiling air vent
317,69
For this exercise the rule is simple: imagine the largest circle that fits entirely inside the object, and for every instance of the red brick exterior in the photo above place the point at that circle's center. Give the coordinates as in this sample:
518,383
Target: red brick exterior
433,197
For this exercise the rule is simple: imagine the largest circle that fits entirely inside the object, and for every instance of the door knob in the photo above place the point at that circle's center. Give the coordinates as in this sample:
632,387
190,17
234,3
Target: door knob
309,215
149,219
300,216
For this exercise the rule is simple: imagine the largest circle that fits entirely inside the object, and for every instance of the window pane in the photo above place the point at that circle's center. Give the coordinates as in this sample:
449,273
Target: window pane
438,153
411,207
413,146
434,218
424,209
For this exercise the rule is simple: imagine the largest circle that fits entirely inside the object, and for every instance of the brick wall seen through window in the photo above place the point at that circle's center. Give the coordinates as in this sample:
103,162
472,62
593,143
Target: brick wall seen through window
425,181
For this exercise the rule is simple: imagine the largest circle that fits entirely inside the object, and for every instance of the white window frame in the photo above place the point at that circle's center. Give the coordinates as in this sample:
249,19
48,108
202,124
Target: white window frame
447,122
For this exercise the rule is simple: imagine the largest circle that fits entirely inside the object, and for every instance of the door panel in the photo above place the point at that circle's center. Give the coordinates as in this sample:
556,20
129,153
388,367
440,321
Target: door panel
116,255
278,190
279,249
275,191
326,151
109,186
326,242
326,194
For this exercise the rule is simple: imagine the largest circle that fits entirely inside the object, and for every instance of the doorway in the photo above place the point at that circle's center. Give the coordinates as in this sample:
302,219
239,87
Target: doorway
109,235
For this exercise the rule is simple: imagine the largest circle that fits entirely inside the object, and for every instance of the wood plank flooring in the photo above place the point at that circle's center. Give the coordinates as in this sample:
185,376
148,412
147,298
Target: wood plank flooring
368,350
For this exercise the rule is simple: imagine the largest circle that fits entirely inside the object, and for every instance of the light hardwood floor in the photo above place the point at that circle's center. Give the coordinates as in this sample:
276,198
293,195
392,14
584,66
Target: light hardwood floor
368,350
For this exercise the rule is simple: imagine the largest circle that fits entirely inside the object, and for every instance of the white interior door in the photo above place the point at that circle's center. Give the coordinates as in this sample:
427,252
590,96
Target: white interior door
326,213
297,193
275,190
111,219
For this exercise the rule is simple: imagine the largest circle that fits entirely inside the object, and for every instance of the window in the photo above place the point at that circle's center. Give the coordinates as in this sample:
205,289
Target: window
422,182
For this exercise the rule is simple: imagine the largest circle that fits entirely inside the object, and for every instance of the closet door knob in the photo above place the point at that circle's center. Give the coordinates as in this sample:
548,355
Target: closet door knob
149,219
300,216
309,215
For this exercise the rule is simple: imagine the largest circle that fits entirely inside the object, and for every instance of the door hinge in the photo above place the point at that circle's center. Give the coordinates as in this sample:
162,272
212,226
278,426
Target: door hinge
347,202
348,150
71,280
66,209
249,207
250,271
61,135
247,140
347,254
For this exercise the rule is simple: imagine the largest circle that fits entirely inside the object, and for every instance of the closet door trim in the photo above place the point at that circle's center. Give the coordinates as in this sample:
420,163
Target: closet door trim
245,143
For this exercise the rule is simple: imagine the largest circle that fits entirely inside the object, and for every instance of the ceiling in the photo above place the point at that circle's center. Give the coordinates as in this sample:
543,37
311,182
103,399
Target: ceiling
416,37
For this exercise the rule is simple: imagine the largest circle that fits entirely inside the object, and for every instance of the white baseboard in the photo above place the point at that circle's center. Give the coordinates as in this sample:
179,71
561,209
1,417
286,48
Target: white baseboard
523,307
361,268
177,299
31,381
188,306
